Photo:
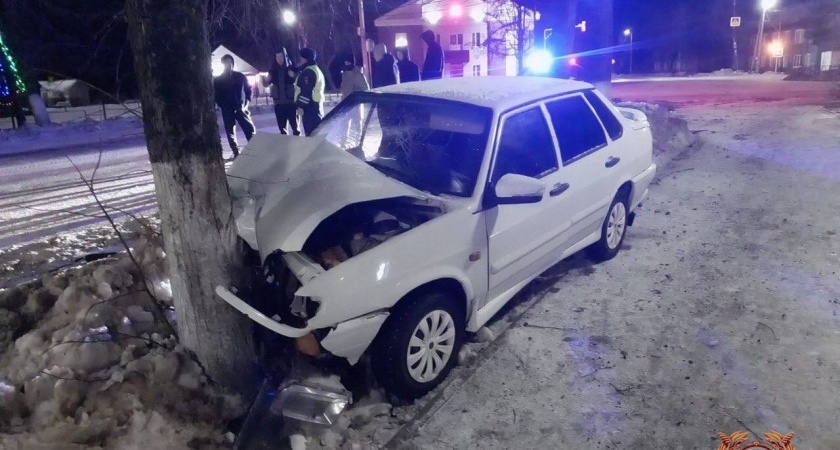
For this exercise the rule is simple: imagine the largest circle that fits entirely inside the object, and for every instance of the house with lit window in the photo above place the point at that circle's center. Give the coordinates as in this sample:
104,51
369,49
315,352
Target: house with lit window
478,37
802,39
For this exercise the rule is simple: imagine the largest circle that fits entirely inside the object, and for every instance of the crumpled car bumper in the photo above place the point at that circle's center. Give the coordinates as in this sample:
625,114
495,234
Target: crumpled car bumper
348,339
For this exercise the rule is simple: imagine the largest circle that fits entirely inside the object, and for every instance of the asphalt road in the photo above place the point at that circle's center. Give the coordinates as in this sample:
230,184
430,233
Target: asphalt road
42,195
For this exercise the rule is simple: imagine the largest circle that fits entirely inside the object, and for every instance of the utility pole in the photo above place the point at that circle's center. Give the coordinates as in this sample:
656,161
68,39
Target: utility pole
759,40
735,64
363,39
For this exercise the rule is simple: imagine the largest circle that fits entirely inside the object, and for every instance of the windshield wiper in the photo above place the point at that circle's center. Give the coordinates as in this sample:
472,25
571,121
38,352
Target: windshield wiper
389,171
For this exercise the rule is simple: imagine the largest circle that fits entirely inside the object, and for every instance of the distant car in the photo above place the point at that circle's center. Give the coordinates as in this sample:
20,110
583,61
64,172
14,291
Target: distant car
416,211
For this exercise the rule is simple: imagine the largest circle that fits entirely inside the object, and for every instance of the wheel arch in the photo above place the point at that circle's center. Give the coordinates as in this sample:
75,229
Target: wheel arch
445,284
627,190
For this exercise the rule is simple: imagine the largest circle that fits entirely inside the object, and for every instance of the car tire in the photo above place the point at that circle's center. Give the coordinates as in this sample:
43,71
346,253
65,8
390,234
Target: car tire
613,230
434,319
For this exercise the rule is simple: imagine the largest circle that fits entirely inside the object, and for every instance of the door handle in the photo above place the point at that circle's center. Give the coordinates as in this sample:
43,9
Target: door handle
558,189
612,161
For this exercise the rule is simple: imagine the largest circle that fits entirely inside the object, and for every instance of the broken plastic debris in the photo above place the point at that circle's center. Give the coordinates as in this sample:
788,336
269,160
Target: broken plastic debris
310,402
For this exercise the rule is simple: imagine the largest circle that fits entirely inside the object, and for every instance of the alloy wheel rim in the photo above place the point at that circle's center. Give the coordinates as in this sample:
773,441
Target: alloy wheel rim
616,224
430,346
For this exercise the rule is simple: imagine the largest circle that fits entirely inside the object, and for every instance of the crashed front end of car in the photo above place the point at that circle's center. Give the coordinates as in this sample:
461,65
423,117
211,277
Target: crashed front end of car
307,207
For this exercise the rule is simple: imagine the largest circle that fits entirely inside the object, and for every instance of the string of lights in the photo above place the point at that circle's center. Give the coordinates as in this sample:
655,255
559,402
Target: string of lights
10,78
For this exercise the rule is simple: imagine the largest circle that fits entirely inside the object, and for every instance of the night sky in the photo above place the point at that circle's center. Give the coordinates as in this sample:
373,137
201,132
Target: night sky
87,39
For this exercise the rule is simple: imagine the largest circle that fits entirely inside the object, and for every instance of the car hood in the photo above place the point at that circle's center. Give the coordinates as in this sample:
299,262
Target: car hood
293,183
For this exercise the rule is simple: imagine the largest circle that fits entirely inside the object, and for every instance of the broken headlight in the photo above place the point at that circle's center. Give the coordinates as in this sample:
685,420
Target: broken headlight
304,307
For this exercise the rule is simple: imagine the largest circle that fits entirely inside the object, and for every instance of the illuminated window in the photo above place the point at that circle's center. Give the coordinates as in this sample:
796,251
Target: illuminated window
400,40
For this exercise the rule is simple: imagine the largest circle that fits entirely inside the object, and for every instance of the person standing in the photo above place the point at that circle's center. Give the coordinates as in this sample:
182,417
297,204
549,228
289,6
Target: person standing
408,70
233,95
282,81
352,78
310,90
385,71
433,65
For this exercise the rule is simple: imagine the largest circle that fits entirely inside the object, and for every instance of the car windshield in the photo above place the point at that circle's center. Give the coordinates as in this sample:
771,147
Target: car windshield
435,146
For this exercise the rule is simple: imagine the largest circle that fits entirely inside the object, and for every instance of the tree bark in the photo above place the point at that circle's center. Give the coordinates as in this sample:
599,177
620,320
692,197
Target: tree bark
172,64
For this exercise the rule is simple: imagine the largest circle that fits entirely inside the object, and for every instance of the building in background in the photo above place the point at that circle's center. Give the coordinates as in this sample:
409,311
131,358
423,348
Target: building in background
65,93
804,39
478,38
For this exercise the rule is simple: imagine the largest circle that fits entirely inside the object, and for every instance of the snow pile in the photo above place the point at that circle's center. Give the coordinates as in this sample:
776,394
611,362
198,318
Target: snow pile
90,358
670,132
33,138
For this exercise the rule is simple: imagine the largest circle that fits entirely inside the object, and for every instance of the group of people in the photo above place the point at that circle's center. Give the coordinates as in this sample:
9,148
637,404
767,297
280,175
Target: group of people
388,70
302,87
291,87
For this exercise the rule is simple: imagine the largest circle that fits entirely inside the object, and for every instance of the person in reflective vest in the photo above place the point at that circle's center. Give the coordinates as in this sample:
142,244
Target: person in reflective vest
310,90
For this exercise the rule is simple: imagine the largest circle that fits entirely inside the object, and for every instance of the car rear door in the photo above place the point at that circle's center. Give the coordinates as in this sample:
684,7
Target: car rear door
588,163
525,238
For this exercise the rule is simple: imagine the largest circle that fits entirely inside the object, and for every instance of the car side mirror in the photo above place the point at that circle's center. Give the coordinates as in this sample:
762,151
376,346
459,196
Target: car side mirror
515,189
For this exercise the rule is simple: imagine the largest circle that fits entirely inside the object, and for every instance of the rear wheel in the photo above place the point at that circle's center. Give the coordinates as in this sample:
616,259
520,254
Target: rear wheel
419,344
613,230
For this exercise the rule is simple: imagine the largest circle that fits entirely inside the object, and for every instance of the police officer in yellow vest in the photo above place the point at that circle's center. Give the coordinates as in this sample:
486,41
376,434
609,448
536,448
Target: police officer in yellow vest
309,90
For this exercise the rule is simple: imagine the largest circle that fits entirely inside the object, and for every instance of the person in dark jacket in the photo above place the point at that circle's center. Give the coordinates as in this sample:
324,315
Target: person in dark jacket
310,90
433,65
385,71
281,78
233,94
336,67
408,70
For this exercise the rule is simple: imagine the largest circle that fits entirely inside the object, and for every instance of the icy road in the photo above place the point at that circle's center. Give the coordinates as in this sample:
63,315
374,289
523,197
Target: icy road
47,214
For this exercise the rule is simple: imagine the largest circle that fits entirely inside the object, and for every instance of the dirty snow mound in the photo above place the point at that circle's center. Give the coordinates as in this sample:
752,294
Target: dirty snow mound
88,358
670,132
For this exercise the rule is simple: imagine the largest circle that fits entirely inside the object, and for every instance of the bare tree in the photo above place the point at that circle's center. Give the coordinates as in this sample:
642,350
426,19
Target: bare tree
510,29
171,54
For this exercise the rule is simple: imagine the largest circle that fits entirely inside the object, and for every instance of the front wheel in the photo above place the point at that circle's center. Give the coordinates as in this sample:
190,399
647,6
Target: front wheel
419,344
613,230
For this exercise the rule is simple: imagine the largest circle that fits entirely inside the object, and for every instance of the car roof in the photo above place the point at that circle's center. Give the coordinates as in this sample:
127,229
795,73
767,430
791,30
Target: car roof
495,92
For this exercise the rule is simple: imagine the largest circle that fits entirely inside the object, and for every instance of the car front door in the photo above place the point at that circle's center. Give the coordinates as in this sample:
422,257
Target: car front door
525,238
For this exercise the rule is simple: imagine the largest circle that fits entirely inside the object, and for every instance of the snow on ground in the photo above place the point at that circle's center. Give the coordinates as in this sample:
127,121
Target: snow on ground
372,422
720,314
88,358
32,138
90,323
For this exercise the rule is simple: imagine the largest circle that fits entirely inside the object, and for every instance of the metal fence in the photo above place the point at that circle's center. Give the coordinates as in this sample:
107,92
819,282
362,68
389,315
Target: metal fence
69,114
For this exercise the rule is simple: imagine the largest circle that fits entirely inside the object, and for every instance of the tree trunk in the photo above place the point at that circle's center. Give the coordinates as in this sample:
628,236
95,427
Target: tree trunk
172,63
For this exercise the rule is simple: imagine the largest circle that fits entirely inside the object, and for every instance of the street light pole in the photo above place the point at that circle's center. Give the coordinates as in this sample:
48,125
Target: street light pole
629,32
759,40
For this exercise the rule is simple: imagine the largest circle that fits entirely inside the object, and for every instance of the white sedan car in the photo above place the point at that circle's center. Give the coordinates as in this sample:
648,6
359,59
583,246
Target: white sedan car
416,211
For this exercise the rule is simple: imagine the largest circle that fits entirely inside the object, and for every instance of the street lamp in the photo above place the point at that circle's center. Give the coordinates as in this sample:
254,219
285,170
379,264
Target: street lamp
777,51
629,33
289,17
766,5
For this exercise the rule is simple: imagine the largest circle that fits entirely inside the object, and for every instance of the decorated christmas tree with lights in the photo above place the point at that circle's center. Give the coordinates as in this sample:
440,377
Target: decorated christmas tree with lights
11,83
